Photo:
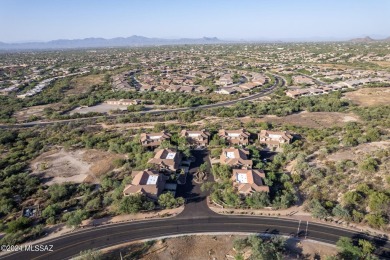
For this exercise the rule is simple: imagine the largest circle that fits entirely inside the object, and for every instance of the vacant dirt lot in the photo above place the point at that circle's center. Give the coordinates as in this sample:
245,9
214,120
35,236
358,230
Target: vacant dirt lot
305,119
358,151
106,108
25,113
311,119
370,96
84,83
101,108
203,247
146,125
385,64
59,165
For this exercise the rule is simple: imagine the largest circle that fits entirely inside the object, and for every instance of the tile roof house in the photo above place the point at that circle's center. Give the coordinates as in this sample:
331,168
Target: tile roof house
232,137
145,87
201,137
154,139
173,88
249,181
186,89
259,79
316,91
225,80
201,89
161,87
226,91
236,158
248,86
275,139
147,182
167,159
297,93
302,80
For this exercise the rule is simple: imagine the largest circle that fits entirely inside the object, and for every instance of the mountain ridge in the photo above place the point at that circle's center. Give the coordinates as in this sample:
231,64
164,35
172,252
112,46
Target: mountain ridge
136,41
96,42
368,39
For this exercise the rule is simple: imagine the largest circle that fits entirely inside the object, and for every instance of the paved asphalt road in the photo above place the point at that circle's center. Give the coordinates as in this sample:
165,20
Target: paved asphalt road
196,218
278,82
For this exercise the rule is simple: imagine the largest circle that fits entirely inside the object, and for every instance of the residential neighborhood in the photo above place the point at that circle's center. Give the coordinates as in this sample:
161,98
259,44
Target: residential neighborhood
275,136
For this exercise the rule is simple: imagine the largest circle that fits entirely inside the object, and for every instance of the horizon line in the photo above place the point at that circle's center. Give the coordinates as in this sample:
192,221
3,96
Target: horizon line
231,39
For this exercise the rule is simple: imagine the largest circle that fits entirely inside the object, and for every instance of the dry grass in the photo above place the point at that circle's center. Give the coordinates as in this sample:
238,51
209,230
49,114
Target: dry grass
370,96
84,83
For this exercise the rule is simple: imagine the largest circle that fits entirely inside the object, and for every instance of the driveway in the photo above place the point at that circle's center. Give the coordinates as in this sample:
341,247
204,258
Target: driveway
196,200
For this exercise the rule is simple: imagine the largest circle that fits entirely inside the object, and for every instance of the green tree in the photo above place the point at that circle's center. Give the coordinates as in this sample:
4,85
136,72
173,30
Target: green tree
131,204
50,211
90,255
75,218
378,201
284,199
369,165
258,200
18,225
373,134
267,249
352,198
317,210
340,212
93,204
349,251
376,220
216,152
222,171
58,192
168,200
203,167
367,248
6,205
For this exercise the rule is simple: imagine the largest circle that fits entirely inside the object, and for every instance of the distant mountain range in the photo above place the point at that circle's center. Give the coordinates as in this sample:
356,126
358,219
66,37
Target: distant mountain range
368,39
134,40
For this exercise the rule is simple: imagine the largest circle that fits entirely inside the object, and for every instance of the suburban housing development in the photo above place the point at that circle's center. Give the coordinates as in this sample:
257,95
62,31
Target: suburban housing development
291,138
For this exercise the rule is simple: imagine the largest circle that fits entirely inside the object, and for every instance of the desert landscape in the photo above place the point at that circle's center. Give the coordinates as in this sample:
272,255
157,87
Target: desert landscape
206,247
369,97
76,166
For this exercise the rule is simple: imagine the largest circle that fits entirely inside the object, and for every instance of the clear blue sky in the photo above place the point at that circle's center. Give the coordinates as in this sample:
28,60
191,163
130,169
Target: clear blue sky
42,20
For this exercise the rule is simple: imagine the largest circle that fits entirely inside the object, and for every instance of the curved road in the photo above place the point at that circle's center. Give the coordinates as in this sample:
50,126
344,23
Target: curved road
278,82
196,218
70,245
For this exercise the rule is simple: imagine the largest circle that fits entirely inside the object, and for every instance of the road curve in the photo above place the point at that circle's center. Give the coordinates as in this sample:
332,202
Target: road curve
278,82
70,245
